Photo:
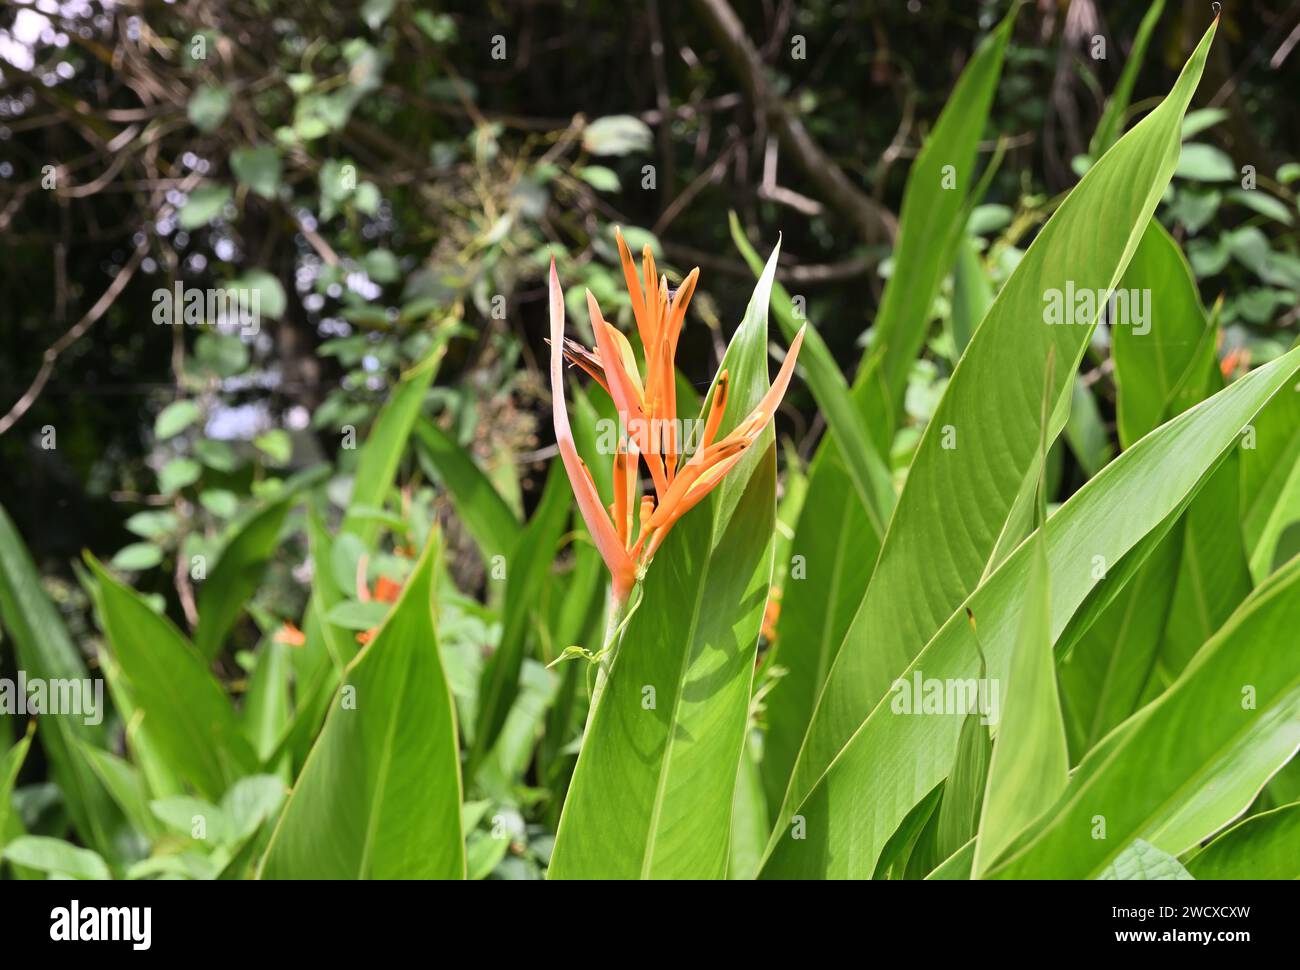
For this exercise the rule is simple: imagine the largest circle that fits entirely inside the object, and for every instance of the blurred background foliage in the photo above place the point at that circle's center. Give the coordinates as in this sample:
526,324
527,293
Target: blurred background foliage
392,176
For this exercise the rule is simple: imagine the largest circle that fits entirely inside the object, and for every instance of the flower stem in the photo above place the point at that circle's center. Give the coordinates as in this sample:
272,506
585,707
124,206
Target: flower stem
615,621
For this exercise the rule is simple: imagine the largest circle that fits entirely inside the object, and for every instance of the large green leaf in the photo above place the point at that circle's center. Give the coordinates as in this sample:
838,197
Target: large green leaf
1270,479
319,664
1112,119
749,823
235,576
527,568
1213,576
266,713
513,750
1152,360
834,548
380,455
43,649
976,464
1030,763
933,217
654,785
1159,373
867,470
125,784
190,719
10,764
1191,761
972,293
379,796
832,555
1103,676
478,504
892,761
1264,846
838,536
963,793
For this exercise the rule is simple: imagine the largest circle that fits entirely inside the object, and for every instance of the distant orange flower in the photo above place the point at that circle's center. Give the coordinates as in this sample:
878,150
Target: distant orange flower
290,635
1234,359
630,531
386,591
771,613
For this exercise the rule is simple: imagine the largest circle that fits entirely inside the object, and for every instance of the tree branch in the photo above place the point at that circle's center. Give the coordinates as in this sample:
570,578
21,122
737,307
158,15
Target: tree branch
837,190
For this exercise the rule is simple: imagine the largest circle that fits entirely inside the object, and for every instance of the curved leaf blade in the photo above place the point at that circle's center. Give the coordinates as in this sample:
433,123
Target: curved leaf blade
190,719
845,818
976,459
379,796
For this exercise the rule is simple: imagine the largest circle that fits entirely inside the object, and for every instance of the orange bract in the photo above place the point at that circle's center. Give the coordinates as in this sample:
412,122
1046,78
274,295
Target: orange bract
628,532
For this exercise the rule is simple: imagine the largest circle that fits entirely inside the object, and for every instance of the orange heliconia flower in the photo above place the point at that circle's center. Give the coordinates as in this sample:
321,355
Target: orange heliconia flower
629,532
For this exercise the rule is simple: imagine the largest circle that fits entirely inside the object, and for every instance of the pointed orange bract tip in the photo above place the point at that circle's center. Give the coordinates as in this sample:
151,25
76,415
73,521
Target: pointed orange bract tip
621,569
646,406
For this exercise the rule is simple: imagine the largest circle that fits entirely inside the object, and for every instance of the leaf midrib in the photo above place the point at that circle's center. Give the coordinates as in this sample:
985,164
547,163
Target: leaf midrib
1214,758
661,784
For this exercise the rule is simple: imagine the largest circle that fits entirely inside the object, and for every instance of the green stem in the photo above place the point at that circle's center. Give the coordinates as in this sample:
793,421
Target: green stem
615,622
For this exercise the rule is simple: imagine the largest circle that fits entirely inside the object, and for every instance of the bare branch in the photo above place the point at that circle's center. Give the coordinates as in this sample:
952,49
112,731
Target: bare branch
873,219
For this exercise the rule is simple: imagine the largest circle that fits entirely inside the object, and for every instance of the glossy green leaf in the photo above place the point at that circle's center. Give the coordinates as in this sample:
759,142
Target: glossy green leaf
963,793
972,293
1213,576
1194,759
509,757
1264,846
328,647
832,555
1104,675
846,821
1270,479
10,764
43,649
1112,118
527,569
979,454
377,464
190,717
933,217
478,504
748,816
239,569
899,850
1030,761
1153,357
125,783
379,796
267,708
1086,431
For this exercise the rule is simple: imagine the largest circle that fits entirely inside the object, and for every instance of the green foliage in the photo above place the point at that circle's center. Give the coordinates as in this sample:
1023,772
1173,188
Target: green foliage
346,622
